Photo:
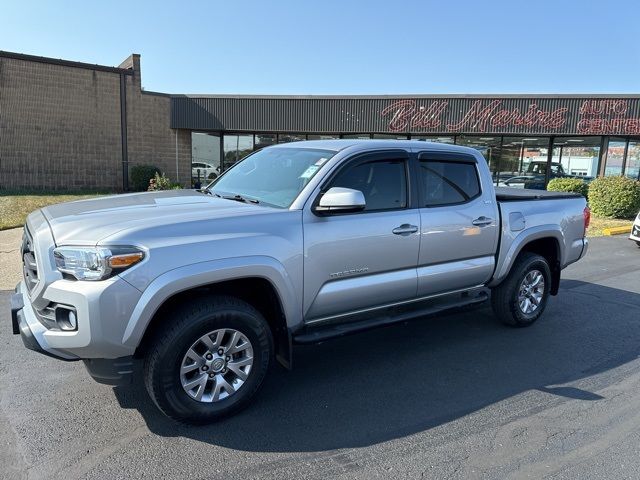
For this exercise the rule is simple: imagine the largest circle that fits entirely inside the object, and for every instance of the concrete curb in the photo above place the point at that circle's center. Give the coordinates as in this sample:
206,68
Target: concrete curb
616,230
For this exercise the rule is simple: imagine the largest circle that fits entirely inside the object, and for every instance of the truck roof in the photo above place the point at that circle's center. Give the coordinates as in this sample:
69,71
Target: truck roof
365,144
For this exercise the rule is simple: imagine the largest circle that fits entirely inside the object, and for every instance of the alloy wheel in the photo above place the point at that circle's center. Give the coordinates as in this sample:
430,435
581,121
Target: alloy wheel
217,365
531,292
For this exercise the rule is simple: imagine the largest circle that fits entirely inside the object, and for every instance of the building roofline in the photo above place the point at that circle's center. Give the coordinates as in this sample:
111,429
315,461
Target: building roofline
64,63
402,96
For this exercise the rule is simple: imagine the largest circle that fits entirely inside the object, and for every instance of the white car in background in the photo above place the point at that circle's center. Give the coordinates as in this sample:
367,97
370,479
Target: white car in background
204,171
635,230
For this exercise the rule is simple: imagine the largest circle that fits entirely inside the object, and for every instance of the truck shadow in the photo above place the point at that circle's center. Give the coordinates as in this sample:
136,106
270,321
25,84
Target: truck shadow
396,381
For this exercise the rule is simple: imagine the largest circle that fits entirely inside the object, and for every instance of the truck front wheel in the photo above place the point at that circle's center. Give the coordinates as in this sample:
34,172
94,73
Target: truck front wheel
209,360
522,297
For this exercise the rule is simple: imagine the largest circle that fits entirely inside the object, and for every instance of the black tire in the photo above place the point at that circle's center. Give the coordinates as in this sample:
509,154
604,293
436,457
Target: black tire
637,242
184,325
504,297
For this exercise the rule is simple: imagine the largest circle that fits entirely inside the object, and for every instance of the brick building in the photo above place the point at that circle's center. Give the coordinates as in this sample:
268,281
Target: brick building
70,125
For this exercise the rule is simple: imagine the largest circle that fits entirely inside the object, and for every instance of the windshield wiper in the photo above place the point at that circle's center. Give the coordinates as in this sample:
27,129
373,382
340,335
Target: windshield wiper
206,190
237,197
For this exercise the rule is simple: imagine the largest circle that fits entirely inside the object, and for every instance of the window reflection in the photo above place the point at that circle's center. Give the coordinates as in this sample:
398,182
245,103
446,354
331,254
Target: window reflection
291,137
264,140
433,138
575,157
632,169
387,136
236,147
322,137
205,158
615,155
362,136
522,162
488,146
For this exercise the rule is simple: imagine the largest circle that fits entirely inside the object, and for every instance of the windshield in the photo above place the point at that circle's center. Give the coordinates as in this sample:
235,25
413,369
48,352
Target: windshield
273,176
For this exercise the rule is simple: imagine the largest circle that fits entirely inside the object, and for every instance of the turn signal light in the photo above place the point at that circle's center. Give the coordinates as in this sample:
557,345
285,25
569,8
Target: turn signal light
125,260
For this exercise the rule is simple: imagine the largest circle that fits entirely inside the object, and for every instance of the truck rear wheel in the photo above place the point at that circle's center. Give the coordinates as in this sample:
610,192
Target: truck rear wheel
209,360
522,297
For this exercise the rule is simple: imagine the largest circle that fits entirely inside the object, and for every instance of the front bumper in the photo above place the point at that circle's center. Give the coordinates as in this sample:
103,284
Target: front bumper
103,311
31,333
109,371
635,231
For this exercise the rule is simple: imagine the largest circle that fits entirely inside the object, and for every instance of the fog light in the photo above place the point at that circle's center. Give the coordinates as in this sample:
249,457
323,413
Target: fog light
66,319
72,320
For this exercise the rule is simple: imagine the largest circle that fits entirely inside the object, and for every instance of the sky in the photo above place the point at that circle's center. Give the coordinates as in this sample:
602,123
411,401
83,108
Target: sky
343,47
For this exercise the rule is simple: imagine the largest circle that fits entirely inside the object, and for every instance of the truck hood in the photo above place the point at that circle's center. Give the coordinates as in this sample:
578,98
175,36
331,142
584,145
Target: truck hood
87,222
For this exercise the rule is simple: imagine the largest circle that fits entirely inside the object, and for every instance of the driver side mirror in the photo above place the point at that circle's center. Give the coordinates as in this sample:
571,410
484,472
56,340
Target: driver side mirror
341,200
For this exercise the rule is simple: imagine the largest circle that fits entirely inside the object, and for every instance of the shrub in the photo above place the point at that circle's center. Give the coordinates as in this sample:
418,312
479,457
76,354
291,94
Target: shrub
575,185
614,197
161,182
140,176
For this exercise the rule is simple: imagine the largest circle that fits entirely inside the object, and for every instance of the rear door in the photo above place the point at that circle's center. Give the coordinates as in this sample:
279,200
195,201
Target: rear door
365,259
459,224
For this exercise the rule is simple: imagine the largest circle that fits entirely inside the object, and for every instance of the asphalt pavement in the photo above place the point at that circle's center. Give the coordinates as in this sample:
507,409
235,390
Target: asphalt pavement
456,396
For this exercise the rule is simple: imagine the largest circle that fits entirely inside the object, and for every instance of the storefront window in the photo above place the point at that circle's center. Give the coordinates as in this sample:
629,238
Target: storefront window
322,137
488,146
264,140
575,157
205,158
632,168
522,162
291,137
433,138
387,136
615,155
236,147
362,136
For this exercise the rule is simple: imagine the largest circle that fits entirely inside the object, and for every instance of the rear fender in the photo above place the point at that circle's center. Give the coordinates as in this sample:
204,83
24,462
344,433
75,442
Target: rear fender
511,246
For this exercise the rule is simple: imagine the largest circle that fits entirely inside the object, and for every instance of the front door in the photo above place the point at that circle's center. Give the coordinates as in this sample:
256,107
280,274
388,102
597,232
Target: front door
361,260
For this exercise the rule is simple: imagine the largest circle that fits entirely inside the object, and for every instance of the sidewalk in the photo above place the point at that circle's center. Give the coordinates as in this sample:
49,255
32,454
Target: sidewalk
10,265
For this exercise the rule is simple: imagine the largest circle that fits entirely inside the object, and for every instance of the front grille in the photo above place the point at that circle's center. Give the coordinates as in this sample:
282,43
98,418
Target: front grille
29,265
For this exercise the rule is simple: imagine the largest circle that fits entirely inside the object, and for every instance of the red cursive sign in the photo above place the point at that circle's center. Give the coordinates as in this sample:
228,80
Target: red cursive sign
406,113
481,117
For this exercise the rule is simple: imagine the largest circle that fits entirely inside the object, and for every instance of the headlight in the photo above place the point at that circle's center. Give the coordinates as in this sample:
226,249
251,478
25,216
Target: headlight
95,263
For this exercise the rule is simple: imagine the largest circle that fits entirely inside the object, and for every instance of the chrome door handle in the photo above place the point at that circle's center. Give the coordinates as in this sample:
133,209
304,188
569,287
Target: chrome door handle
405,229
482,221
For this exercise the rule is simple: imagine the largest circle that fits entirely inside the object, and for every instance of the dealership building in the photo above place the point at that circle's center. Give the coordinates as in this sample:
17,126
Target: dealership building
70,125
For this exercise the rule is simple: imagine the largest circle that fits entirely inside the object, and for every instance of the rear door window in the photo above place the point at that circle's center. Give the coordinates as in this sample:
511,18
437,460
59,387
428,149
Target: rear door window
448,182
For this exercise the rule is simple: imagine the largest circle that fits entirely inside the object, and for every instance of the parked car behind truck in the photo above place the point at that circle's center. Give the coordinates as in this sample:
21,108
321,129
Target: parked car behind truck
635,230
297,243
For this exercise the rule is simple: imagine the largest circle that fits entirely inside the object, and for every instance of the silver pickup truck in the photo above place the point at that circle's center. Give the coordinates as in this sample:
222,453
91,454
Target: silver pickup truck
297,243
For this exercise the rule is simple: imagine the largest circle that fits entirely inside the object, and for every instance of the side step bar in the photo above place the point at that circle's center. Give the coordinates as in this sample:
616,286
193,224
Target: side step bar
387,316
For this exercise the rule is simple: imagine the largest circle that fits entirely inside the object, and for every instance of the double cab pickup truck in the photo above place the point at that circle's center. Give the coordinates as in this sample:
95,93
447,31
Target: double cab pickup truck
196,292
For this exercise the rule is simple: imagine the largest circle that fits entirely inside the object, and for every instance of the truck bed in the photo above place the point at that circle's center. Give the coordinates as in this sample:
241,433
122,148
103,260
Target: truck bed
508,194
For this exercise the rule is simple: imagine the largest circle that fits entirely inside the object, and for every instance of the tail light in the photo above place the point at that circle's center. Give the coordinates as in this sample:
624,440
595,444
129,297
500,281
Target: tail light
587,217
